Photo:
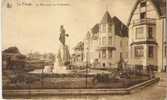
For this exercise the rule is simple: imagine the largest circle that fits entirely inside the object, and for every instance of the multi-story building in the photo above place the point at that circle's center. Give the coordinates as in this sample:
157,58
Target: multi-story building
107,42
147,39
77,57
112,40
91,44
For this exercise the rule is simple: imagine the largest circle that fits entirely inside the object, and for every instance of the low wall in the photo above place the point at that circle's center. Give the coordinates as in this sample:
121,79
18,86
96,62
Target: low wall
119,91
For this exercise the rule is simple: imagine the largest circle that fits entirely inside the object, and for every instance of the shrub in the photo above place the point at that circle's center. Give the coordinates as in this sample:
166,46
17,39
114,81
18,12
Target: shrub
102,77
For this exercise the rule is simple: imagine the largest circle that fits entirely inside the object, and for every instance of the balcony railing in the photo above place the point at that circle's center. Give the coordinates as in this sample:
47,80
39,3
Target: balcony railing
144,21
106,46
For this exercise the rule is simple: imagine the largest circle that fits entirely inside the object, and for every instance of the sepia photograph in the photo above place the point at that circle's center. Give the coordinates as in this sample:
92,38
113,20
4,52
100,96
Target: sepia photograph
84,49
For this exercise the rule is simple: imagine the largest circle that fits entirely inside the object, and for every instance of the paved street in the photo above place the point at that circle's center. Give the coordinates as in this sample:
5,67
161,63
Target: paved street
154,92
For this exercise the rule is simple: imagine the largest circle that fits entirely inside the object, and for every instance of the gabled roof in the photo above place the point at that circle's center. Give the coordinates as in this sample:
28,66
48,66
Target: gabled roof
106,18
120,28
95,29
159,5
94,32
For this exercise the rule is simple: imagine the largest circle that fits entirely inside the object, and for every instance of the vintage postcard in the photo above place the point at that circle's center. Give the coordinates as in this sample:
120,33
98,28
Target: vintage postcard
84,49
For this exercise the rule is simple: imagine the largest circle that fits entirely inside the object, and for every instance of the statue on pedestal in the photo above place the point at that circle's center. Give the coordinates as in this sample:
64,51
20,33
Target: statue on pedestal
63,55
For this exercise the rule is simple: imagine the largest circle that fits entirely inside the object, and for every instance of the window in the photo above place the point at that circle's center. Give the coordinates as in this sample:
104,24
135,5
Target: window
109,64
150,51
104,64
110,40
120,55
150,32
99,55
165,51
139,51
99,41
143,15
104,54
139,33
143,4
121,43
109,28
103,27
103,40
110,53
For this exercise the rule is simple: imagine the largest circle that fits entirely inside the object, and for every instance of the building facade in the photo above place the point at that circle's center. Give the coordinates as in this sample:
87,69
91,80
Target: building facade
107,42
77,57
147,39
91,44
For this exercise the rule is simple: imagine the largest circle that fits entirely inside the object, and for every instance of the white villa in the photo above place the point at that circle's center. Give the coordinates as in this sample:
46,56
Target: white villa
107,42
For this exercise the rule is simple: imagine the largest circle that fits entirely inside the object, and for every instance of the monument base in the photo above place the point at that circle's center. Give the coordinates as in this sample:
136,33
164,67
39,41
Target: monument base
60,69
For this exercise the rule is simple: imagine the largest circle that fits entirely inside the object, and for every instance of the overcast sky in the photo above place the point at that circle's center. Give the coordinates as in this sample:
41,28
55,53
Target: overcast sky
36,28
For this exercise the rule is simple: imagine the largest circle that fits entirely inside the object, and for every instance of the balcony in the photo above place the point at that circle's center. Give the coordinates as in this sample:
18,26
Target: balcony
106,46
151,21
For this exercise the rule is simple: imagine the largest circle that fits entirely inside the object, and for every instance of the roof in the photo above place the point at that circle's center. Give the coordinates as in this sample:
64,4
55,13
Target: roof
95,29
160,6
79,45
94,32
106,18
120,28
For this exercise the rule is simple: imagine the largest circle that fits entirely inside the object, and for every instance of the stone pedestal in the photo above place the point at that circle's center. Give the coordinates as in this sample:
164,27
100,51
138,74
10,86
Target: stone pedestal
63,55
62,59
60,69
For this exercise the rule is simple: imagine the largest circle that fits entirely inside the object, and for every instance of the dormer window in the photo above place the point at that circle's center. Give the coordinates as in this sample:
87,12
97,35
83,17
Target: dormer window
143,4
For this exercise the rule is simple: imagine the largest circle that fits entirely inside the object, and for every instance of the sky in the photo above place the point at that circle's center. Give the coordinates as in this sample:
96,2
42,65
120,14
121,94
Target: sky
33,25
